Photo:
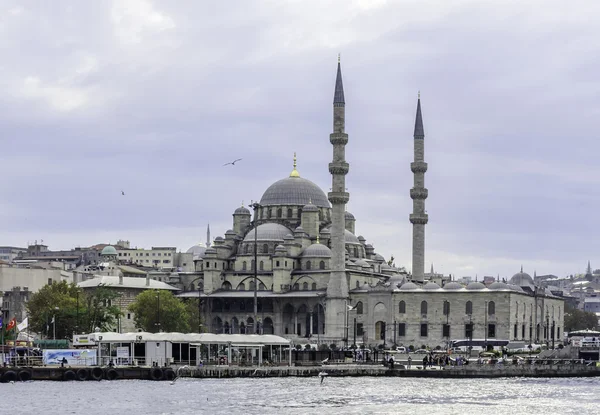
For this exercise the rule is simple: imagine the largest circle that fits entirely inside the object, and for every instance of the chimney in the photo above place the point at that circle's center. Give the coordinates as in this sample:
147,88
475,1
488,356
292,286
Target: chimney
147,280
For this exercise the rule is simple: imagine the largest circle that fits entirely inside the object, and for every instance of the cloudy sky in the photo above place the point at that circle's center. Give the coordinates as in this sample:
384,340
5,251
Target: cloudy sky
152,97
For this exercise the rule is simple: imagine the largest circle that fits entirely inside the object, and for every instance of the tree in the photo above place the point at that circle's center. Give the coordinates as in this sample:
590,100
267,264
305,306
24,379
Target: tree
576,319
160,311
73,310
195,321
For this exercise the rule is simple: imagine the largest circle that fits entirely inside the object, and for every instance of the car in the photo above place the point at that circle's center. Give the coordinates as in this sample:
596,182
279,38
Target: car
401,349
421,351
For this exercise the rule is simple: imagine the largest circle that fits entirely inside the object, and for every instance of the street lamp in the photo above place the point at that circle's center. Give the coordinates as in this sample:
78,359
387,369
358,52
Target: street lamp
485,328
54,323
255,206
157,311
348,309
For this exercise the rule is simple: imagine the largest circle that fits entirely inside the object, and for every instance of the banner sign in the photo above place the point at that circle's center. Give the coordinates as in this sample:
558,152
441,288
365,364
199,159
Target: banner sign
122,352
83,340
79,357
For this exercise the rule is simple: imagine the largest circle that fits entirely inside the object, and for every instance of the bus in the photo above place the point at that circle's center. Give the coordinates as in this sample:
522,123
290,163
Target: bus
478,344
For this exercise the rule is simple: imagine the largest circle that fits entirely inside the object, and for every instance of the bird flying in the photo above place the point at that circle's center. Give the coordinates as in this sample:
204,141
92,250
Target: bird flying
232,162
122,193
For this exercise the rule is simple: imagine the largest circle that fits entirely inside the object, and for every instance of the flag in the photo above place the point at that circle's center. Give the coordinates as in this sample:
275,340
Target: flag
11,324
52,322
0,322
23,324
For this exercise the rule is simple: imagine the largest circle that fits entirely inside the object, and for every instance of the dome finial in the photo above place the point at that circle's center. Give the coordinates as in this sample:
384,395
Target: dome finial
318,241
521,269
339,57
294,172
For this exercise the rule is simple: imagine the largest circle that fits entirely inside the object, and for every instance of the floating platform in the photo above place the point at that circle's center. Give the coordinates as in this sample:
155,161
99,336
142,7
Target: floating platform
81,373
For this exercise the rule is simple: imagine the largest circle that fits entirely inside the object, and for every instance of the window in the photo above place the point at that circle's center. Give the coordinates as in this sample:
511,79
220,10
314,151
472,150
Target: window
207,265
491,331
355,252
491,308
402,307
523,331
252,266
147,254
242,287
446,308
446,330
159,254
277,263
265,248
359,307
308,265
424,330
357,284
558,332
360,331
296,287
305,286
261,265
128,316
279,213
401,329
515,331
289,213
314,286
469,330
322,265
244,266
261,287
49,281
285,264
469,308
424,308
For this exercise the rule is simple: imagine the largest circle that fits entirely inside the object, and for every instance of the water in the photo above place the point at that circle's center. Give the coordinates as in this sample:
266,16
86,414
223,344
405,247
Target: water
284,396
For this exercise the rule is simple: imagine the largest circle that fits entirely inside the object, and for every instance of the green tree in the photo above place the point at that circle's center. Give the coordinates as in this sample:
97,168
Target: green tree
160,311
194,317
576,319
74,310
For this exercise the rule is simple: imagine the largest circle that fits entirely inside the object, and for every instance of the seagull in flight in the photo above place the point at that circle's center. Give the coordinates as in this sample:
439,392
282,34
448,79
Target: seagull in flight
232,162
122,193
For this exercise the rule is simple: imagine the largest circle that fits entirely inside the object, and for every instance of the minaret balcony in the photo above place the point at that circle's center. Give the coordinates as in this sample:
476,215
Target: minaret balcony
419,193
339,168
338,138
337,198
418,167
419,218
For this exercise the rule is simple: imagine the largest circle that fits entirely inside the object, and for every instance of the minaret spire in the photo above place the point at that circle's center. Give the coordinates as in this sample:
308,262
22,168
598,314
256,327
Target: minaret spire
418,194
208,235
294,172
337,287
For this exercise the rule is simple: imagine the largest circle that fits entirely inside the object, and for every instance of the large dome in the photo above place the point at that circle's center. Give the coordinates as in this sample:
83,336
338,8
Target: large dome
317,250
294,191
268,232
109,250
197,251
522,279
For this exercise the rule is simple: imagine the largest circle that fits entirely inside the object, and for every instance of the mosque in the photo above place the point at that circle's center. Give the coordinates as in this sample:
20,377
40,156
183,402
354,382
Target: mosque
295,267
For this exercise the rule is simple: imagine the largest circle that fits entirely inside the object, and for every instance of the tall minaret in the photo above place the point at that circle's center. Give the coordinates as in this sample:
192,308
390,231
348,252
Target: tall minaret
208,235
418,194
337,288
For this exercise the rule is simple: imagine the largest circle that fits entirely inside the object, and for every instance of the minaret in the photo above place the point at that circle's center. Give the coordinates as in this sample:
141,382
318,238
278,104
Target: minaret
418,194
208,235
337,288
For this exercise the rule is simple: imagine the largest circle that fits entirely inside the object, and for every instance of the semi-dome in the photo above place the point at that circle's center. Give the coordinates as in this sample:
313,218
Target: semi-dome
409,286
197,251
349,216
230,232
210,251
362,263
294,191
219,238
317,250
453,286
310,208
108,250
242,211
498,286
280,248
267,232
431,286
475,285
385,266
522,279
379,258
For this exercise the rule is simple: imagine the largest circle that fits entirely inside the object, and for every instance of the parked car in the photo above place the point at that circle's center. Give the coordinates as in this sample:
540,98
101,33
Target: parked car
421,351
401,349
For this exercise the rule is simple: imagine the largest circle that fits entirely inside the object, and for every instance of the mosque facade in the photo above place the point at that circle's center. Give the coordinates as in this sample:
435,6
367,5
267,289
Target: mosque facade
315,280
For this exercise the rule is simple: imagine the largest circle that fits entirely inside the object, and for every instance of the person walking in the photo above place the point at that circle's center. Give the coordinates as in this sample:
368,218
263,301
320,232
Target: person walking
409,362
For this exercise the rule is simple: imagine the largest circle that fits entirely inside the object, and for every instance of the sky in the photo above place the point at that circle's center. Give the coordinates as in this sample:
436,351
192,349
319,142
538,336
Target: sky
153,97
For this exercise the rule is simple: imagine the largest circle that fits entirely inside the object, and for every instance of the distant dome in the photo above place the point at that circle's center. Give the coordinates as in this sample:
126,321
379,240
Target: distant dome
453,286
317,250
361,262
219,238
431,286
299,229
267,232
326,230
108,251
280,248
197,251
350,238
522,279
349,216
515,288
475,286
294,191
288,237
230,232
379,258
409,286
241,211
498,286
361,239
310,208
210,251
385,266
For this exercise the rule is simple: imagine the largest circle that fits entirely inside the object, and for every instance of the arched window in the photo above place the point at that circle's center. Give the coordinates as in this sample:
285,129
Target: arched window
357,284
252,266
261,287
241,287
469,308
269,211
244,266
252,285
355,252
289,213
314,286
265,248
299,212
491,308
261,265
279,213
402,307
322,265
248,249
359,307
446,308
424,308
305,286
308,265
296,287
320,215
226,286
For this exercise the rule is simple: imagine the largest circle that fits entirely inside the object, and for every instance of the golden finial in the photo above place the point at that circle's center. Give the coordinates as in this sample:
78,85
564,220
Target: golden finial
242,203
339,57
419,95
310,200
294,172
318,239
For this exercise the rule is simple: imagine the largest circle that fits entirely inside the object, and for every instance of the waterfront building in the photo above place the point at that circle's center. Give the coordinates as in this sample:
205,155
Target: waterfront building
9,253
315,280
